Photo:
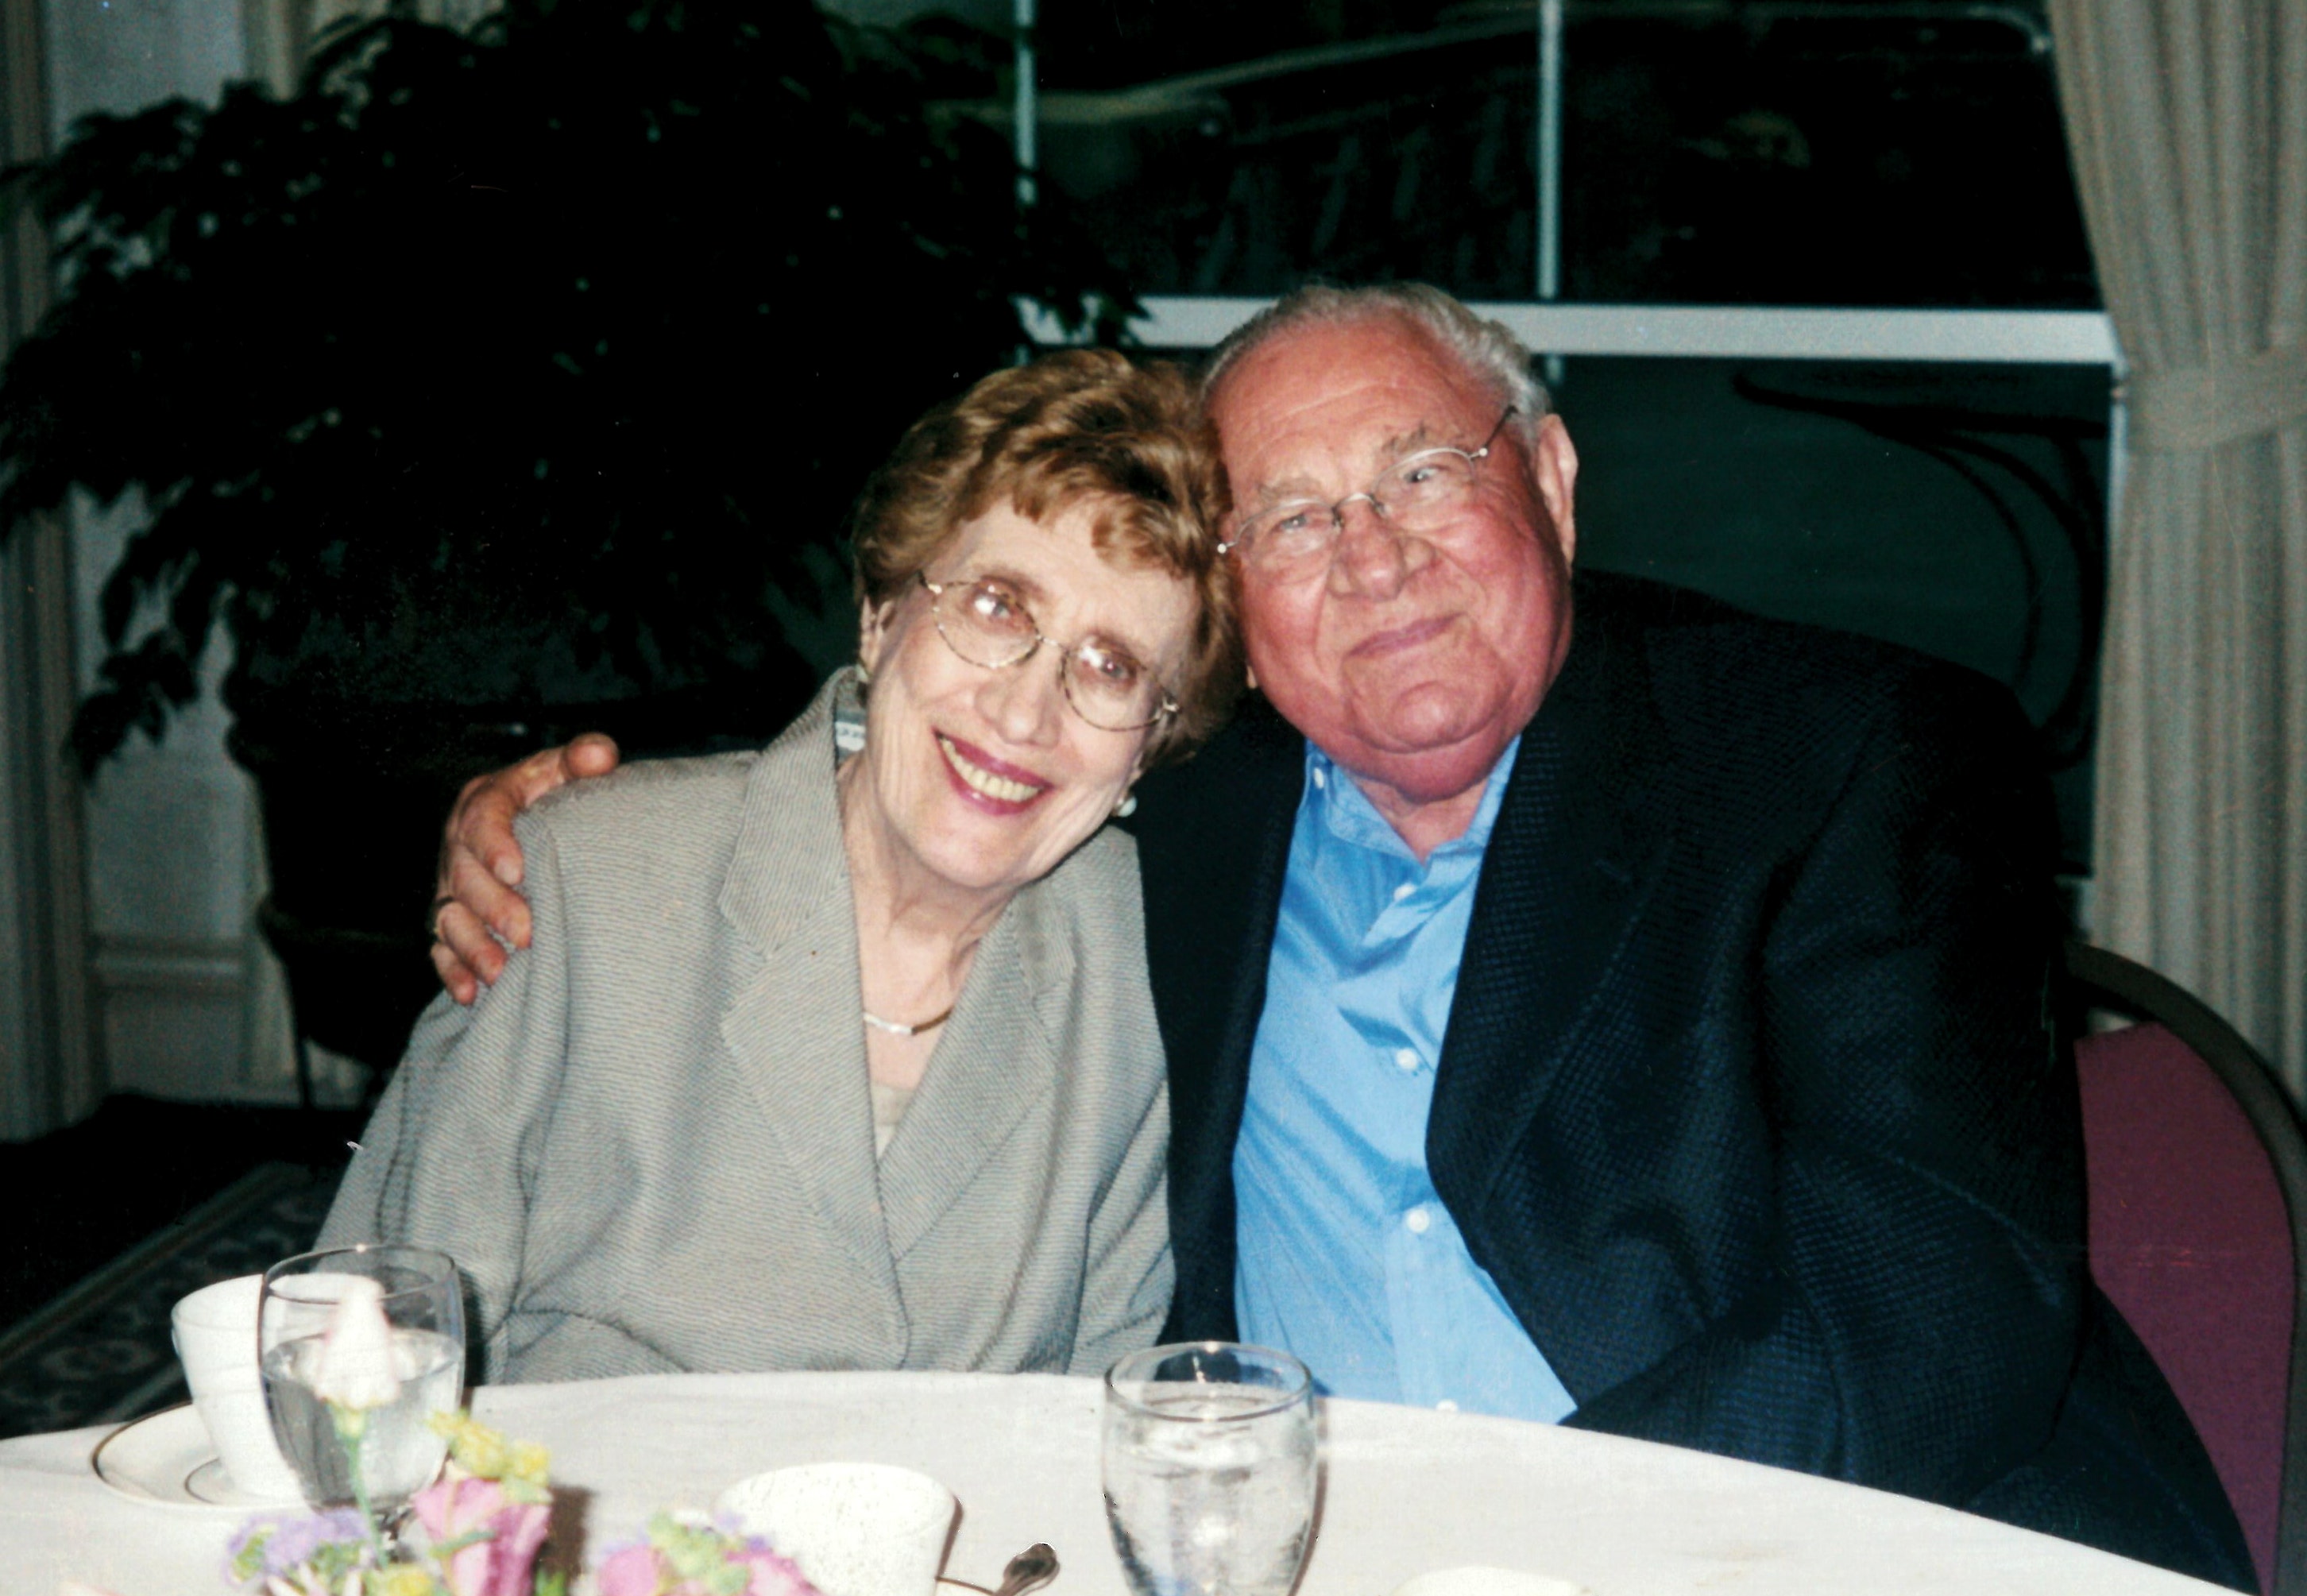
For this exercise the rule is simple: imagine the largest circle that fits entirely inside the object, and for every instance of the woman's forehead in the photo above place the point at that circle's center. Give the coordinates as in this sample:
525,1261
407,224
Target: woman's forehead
1072,586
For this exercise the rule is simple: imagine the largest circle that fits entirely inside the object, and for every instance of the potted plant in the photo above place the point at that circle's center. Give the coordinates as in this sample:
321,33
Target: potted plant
497,384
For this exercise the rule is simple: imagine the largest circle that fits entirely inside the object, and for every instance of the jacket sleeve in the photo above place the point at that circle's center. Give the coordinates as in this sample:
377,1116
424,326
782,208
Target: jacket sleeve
451,1156
1922,1303
1129,1275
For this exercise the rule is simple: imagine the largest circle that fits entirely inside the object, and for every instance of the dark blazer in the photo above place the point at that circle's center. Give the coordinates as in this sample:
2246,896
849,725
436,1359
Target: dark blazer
1748,1101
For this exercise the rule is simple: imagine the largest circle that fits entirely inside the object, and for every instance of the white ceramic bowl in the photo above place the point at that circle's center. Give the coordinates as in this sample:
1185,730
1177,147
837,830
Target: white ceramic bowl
855,1528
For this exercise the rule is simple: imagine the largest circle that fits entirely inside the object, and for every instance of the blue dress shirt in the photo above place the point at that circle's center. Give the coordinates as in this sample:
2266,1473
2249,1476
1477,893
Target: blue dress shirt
1346,1255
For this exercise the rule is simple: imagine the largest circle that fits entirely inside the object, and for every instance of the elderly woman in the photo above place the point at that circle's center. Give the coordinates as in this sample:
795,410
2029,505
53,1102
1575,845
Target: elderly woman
841,1054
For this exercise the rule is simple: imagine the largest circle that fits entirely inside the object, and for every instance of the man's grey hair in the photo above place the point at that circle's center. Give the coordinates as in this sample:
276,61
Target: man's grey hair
1485,349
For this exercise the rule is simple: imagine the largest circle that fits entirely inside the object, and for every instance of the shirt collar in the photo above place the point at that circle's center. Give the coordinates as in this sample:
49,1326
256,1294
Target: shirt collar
1346,812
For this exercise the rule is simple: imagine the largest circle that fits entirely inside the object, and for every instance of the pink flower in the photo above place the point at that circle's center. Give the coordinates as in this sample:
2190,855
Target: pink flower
497,1565
631,1571
772,1575
643,1570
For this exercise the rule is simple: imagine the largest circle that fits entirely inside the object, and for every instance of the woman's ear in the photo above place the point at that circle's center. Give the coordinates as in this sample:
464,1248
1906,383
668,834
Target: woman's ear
872,633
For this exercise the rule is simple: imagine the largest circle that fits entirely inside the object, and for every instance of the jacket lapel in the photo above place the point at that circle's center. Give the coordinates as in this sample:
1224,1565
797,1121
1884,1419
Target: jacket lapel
1570,864
793,1030
989,1067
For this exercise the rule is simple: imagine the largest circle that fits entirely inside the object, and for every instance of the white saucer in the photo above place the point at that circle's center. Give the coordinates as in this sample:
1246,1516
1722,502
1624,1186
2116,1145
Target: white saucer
167,1459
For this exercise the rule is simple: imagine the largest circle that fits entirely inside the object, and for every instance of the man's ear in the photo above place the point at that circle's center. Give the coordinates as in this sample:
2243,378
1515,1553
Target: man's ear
1554,471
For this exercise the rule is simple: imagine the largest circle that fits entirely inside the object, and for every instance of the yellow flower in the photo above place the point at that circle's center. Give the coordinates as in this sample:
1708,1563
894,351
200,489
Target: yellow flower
403,1579
476,1449
529,1463
481,1453
477,1452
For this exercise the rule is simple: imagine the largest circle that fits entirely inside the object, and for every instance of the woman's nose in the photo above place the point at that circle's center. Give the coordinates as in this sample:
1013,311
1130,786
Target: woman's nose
1024,701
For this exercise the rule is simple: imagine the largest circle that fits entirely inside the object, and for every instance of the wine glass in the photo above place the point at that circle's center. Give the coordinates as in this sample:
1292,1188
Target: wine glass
1209,1469
351,1418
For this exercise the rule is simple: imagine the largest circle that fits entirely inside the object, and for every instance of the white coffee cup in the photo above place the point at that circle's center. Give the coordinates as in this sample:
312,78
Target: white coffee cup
215,1333
855,1528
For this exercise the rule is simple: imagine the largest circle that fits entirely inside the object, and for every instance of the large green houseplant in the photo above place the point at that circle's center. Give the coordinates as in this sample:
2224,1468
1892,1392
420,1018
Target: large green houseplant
497,383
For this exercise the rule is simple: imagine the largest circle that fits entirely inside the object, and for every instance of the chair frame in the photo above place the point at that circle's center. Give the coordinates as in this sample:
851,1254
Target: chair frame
2108,980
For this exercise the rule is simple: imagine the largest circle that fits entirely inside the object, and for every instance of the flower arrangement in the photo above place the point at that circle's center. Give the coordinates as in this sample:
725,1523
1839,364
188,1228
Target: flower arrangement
681,1557
477,1528
477,1532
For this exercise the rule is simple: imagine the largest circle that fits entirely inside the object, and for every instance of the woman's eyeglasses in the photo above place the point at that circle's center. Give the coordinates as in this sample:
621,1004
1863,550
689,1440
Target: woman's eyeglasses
984,621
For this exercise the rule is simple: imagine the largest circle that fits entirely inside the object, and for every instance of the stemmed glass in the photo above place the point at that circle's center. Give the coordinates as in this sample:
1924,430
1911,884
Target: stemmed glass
350,1397
1209,1469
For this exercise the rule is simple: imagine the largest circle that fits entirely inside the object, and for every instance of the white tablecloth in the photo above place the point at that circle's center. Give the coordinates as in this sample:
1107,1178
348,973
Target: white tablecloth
1407,1490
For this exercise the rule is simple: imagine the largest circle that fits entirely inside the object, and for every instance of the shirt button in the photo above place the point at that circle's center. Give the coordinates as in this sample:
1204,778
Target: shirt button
1418,1220
1446,1406
1321,778
1405,1058
1404,890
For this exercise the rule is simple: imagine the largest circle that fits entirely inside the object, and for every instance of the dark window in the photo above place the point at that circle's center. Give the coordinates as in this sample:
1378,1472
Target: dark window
1893,152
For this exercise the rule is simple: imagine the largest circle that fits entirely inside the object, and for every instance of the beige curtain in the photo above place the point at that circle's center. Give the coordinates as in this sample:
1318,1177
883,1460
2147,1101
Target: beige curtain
2187,120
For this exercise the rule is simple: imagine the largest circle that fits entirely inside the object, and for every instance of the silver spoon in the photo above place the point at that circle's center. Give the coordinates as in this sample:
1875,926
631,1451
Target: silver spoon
1029,1570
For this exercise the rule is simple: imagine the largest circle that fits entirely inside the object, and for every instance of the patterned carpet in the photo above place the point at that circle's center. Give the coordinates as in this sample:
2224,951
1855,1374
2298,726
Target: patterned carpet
99,1352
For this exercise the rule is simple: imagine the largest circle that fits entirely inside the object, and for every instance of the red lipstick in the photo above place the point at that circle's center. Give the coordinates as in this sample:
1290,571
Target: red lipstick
950,747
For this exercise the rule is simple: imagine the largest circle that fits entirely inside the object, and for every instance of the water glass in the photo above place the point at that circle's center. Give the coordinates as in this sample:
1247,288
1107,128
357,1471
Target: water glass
396,1449
1210,1470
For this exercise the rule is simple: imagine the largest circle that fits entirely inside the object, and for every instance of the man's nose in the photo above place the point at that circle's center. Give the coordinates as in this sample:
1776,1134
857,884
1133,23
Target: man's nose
1022,701
1372,557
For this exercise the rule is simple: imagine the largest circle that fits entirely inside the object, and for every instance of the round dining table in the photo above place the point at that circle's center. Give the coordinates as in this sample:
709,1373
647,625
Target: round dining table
1405,1491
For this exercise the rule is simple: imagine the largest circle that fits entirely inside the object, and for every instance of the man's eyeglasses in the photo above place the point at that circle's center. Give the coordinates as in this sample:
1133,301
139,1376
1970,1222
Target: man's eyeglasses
985,622
1294,541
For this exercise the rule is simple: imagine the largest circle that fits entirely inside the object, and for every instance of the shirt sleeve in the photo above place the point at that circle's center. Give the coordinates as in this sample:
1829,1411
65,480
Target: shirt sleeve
451,1158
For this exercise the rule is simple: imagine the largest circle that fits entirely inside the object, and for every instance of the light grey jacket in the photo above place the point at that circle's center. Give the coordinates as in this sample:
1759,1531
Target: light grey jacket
650,1146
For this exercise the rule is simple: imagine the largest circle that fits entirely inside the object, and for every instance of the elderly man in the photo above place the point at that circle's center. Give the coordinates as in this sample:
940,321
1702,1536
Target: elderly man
1587,1003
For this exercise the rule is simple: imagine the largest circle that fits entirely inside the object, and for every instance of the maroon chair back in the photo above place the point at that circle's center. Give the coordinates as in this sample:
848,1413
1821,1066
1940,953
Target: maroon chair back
2191,1240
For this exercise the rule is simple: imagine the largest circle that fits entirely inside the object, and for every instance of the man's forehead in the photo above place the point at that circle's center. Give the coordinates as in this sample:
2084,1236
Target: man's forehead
1299,478
1313,404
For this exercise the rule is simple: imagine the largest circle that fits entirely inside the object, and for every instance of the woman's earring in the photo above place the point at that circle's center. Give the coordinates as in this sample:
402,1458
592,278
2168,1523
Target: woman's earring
1127,807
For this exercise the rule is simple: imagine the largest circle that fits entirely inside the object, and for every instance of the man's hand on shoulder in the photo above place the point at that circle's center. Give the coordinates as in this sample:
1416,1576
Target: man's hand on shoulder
476,895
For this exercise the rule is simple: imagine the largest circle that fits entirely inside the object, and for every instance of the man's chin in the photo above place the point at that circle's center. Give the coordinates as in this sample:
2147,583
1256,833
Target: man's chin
1429,763
1431,717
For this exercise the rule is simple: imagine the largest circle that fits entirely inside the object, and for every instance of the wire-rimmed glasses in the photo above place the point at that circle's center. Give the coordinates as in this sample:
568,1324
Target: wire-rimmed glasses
984,621
1293,540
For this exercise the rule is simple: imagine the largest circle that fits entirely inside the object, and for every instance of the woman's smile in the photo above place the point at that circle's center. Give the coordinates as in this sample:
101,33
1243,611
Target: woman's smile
990,784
